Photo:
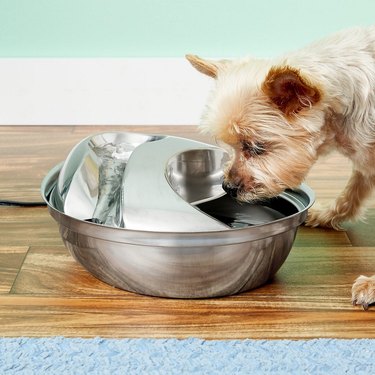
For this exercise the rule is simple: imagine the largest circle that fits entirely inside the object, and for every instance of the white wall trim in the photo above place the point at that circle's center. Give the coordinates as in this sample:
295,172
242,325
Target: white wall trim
100,92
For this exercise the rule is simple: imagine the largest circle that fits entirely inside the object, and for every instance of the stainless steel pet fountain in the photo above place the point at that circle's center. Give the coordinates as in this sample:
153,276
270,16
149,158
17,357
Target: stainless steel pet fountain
147,214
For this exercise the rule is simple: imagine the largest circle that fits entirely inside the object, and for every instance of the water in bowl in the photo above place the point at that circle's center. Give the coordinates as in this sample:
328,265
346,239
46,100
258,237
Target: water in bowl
240,215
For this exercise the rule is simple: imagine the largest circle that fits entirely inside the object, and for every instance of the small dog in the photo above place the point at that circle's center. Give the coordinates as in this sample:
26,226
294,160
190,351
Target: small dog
278,116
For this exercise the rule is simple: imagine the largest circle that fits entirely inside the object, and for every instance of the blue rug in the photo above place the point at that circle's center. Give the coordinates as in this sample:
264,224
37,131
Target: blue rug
191,356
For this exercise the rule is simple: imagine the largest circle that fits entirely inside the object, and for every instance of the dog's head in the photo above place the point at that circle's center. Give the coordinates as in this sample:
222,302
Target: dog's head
270,116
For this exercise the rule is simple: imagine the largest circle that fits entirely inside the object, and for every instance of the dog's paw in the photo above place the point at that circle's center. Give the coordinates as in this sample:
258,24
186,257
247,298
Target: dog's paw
363,291
324,218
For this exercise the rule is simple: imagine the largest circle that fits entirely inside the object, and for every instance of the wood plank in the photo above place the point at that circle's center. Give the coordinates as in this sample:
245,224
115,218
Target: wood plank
228,318
44,292
53,271
27,154
187,131
319,237
28,226
361,233
315,274
11,259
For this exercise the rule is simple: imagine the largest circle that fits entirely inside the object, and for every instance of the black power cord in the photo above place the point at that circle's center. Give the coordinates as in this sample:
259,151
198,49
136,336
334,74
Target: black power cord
21,204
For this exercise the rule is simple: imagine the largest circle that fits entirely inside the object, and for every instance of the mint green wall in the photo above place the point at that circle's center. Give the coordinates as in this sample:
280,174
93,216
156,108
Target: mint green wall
170,28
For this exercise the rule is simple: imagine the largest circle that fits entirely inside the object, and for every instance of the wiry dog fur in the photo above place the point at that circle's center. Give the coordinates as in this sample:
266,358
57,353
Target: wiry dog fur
278,116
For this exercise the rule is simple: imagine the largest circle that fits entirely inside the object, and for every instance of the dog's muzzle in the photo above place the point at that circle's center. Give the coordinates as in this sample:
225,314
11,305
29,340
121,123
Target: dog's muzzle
230,190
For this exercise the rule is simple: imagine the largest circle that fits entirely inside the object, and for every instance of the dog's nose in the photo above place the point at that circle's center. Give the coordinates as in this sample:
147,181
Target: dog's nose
232,191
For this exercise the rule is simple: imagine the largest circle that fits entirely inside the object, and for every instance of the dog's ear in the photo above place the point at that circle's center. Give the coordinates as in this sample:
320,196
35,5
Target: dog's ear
289,90
208,67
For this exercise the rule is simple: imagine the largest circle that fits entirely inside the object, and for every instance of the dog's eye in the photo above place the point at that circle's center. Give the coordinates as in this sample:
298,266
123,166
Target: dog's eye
250,149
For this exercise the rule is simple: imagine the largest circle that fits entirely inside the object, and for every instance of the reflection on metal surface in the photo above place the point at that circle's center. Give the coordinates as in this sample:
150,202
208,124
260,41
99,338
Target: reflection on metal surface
168,228
151,198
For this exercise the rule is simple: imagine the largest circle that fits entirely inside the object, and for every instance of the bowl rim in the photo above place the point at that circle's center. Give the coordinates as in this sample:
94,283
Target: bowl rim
170,238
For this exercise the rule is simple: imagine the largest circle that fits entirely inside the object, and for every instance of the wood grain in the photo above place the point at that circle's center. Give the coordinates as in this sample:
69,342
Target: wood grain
11,259
44,292
137,316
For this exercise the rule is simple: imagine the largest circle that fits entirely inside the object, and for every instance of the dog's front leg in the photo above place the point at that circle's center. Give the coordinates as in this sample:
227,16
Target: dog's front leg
363,291
348,206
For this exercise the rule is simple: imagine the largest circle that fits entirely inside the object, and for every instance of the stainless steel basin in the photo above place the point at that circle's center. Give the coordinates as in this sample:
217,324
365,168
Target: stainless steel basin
187,238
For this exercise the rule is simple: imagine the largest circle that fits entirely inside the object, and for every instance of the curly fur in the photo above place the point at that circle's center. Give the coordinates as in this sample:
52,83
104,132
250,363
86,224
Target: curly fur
279,115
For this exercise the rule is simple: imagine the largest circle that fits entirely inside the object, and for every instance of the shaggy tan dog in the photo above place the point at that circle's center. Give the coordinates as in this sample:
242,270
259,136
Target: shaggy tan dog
278,116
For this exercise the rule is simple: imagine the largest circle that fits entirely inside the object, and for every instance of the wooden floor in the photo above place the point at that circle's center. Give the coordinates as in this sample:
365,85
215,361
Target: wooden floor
44,292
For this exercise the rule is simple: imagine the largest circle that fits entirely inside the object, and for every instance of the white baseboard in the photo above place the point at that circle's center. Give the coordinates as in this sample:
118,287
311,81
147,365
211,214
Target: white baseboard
101,92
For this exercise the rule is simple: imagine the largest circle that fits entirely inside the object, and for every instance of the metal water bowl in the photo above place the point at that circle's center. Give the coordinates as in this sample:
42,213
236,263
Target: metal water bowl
147,214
